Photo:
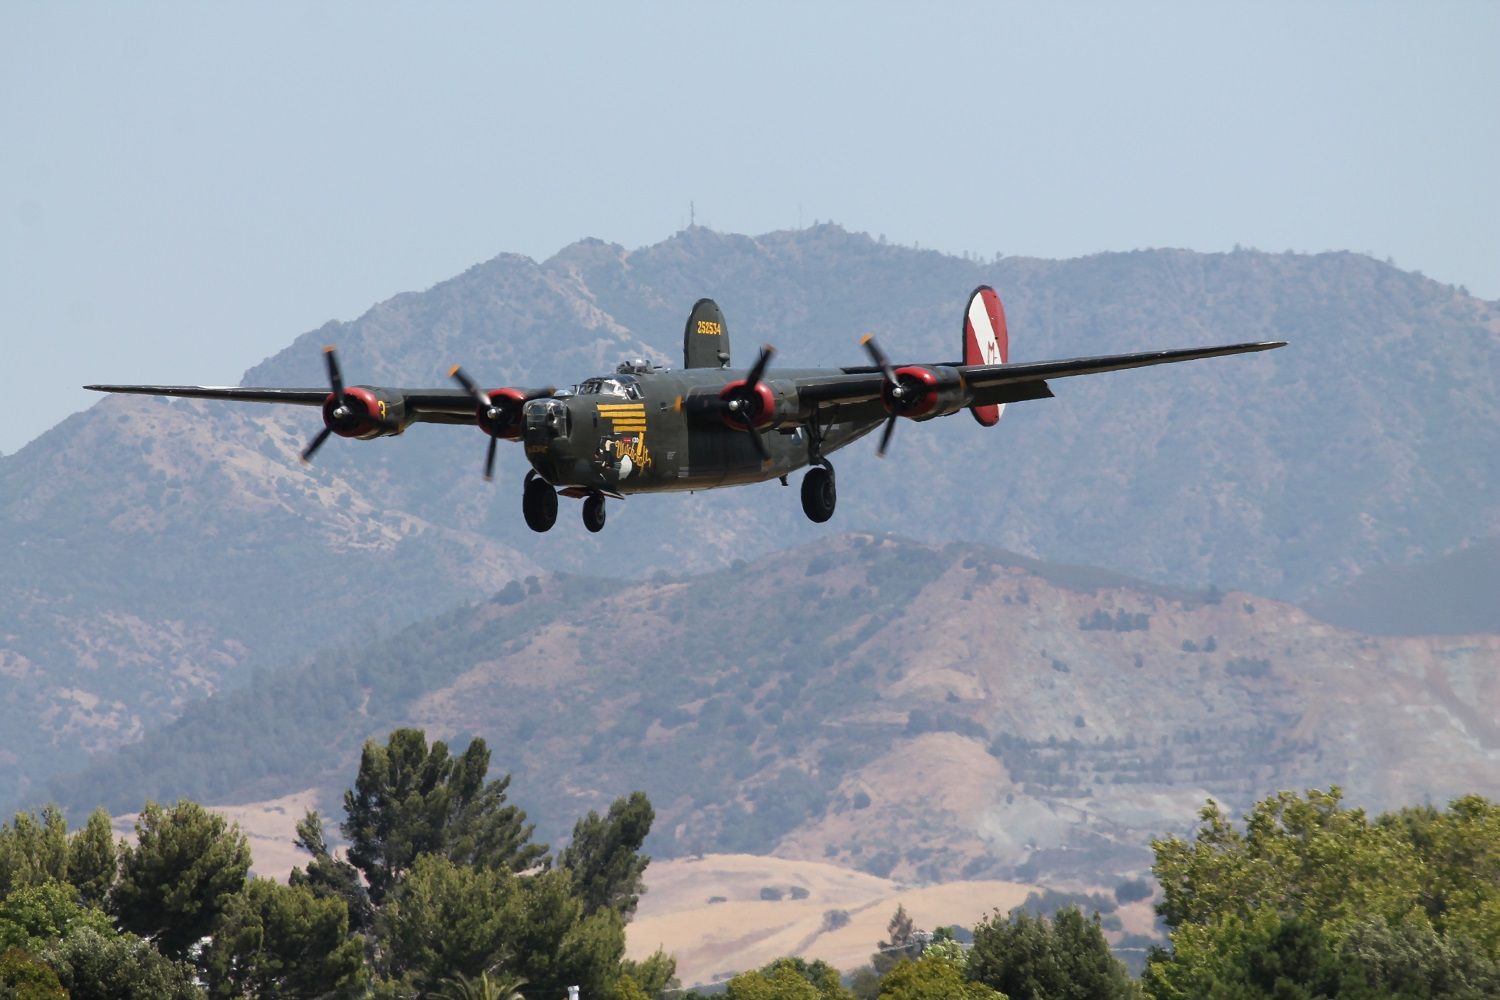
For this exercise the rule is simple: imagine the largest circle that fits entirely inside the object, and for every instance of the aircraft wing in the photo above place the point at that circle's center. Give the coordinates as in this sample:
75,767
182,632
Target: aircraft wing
1009,382
440,405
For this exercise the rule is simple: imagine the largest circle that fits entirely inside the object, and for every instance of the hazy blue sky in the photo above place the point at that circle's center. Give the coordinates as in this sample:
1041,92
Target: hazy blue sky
185,187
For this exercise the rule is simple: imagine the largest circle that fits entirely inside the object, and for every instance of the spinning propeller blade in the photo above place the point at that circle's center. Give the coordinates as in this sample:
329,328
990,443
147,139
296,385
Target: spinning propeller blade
341,404
884,363
497,411
315,444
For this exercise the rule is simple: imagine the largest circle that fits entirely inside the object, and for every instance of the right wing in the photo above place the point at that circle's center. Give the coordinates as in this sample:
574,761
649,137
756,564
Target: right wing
370,411
436,406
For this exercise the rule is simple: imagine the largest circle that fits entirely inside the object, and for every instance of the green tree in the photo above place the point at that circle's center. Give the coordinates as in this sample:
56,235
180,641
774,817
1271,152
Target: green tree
556,945
1313,899
626,988
92,859
864,983
775,982
824,977
1298,854
1459,852
1410,959
901,942
174,881
95,966
484,987
604,857
276,940
452,920
410,799
329,877
1258,955
652,975
33,850
448,920
1030,958
932,977
23,976
944,945
33,915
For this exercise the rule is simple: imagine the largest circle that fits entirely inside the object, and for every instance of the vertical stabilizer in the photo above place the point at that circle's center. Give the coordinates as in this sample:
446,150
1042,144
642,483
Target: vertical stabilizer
705,340
986,342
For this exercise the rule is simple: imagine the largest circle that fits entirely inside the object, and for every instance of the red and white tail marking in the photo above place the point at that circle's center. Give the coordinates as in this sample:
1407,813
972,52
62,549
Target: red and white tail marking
986,342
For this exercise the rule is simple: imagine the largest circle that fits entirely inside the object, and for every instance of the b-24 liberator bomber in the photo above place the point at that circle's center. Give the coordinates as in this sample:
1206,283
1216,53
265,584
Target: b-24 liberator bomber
649,429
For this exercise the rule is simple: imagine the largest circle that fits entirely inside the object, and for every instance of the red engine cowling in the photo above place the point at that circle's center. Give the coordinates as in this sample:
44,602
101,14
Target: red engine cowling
365,414
922,393
503,417
753,405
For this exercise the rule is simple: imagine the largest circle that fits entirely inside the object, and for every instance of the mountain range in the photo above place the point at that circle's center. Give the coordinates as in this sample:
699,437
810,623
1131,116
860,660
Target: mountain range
159,552
917,712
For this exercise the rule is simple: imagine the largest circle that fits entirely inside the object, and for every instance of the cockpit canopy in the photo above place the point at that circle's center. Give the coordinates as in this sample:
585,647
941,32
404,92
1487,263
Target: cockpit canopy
624,386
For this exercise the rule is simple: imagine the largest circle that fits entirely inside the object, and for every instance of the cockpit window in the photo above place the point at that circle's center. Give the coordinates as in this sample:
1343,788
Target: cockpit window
611,385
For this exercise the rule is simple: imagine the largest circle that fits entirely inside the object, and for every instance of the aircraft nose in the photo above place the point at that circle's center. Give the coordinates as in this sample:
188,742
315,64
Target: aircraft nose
548,418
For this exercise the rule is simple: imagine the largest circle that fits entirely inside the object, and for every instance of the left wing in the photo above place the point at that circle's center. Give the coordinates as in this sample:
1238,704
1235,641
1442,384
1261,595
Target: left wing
982,385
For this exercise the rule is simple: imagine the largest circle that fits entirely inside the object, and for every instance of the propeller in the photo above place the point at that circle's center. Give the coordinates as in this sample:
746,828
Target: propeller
897,391
497,413
340,414
741,402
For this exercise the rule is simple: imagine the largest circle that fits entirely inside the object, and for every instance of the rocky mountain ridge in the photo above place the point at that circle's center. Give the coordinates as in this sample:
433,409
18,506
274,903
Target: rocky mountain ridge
157,551
917,712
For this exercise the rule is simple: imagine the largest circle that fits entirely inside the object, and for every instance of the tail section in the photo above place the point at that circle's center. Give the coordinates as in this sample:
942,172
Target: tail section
705,339
986,342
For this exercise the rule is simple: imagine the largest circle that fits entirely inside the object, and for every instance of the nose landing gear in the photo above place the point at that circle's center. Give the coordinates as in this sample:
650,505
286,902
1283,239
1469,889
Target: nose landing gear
593,512
539,503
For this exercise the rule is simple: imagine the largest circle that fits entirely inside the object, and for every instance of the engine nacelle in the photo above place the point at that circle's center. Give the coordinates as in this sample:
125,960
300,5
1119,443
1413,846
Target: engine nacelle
504,417
922,392
762,405
366,413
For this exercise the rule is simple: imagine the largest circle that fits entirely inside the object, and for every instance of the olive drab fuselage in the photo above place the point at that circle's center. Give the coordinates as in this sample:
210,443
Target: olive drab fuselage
650,430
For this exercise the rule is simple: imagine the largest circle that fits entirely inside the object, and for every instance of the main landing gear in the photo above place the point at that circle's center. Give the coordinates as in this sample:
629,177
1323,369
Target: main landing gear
819,493
539,506
539,503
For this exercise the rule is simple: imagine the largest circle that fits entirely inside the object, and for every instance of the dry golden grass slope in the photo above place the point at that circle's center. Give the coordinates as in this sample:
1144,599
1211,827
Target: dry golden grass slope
709,914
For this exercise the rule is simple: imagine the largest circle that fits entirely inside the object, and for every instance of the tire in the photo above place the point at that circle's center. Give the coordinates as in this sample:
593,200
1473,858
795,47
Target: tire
539,505
819,495
593,512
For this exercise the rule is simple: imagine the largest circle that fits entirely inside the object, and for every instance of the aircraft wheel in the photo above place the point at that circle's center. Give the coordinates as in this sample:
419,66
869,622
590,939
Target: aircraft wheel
593,512
539,505
818,494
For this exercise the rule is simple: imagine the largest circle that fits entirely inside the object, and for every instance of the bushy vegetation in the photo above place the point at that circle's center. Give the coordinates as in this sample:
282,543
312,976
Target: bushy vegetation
444,893
1309,900
442,889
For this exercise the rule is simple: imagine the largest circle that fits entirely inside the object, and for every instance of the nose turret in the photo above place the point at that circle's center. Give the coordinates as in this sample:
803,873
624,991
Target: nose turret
548,425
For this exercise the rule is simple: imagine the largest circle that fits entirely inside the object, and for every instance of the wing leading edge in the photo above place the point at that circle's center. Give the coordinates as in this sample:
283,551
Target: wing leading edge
439,405
1013,382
